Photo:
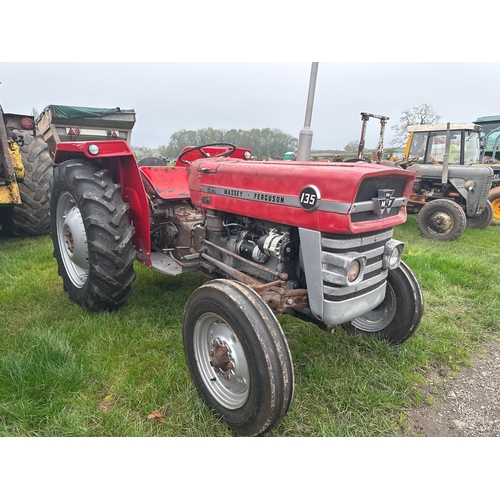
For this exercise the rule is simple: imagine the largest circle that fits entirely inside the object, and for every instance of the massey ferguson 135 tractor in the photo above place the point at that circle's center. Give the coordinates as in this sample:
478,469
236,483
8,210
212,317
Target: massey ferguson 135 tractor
309,239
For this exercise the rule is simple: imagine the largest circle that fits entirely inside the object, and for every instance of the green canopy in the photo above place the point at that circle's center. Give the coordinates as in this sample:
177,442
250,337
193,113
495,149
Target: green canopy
71,112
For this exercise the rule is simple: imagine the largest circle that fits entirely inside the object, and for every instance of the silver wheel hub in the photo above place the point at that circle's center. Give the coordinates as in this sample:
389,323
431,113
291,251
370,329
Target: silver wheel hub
221,360
381,317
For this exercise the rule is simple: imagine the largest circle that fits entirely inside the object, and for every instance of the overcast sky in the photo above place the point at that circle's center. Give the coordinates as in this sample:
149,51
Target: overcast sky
168,97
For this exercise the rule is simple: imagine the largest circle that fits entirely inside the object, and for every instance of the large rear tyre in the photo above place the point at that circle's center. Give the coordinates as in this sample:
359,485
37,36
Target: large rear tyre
399,315
483,220
92,236
494,198
32,217
238,356
441,220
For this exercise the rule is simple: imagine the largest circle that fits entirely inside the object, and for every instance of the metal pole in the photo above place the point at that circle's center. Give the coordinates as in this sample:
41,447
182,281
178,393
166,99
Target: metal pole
305,137
444,177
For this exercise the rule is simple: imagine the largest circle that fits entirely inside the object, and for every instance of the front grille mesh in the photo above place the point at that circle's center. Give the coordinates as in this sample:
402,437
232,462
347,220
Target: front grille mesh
369,189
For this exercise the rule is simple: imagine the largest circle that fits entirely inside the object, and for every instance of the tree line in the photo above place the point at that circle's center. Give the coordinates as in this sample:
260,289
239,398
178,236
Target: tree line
263,143
272,142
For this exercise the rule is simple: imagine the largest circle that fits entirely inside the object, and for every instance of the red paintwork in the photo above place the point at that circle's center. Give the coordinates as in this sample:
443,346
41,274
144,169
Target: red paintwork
170,183
119,158
337,182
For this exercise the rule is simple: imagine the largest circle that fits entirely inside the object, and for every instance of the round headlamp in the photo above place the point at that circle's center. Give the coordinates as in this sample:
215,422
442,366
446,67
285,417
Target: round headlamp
353,271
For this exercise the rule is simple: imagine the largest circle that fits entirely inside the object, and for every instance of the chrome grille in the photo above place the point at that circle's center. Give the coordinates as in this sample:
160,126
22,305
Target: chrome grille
369,246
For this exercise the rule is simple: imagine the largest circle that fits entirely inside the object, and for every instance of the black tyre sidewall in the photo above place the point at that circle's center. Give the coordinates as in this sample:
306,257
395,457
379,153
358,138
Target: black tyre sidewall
106,288
482,221
31,217
409,307
268,399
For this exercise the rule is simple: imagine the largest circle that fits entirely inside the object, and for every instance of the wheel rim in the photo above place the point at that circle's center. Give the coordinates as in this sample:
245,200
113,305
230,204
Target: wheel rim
440,222
381,316
496,210
72,239
230,385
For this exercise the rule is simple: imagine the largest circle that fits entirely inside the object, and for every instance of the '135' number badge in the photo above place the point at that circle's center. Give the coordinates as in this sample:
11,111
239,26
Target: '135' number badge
310,198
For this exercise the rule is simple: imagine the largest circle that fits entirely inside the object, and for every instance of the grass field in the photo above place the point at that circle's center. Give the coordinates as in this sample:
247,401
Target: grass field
68,372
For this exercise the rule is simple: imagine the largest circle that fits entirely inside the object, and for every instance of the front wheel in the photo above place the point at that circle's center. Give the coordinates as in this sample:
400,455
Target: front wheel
92,236
483,220
238,356
441,220
399,315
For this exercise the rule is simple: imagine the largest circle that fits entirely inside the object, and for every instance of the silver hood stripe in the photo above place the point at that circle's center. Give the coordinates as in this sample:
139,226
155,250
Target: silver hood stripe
293,201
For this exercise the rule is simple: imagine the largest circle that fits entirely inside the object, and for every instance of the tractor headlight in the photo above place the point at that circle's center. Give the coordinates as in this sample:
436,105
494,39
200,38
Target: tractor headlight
469,185
247,155
93,149
393,250
353,271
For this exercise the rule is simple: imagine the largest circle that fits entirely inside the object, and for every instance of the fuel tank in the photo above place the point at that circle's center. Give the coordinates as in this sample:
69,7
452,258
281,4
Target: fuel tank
330,197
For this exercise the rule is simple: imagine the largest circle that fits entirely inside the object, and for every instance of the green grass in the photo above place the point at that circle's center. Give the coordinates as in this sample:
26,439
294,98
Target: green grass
68,372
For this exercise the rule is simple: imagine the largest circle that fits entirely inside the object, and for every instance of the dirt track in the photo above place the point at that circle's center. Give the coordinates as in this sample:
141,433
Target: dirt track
468,405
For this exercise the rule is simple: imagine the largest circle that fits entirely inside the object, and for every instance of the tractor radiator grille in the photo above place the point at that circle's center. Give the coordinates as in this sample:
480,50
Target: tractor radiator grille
369,190
367,245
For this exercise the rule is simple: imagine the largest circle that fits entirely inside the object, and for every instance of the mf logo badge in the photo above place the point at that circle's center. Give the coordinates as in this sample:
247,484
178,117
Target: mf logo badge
310,198
384,202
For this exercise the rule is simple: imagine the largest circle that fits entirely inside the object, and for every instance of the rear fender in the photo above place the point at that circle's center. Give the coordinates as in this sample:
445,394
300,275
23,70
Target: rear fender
119,158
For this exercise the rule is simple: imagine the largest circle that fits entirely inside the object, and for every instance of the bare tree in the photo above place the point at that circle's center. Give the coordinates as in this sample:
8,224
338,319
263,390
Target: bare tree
352,147
419,115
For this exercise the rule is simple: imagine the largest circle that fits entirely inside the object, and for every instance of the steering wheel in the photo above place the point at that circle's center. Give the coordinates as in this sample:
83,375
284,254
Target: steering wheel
407,163
206,155
355,160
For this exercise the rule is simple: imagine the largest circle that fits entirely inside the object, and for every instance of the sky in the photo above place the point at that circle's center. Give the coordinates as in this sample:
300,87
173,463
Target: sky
210,64
170,96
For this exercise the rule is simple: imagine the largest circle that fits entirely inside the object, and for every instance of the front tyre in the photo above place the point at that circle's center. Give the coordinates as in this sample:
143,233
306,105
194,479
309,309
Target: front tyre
92,236
238,356
399,315
441,220
483,220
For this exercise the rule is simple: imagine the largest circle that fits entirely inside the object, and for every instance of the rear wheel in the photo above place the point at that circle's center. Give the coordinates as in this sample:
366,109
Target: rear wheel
494,198
31,217
482,221
399,315
441,220
92,236
238,356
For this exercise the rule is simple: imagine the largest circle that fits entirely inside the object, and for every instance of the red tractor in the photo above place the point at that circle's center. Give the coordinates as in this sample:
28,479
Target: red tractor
313,240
